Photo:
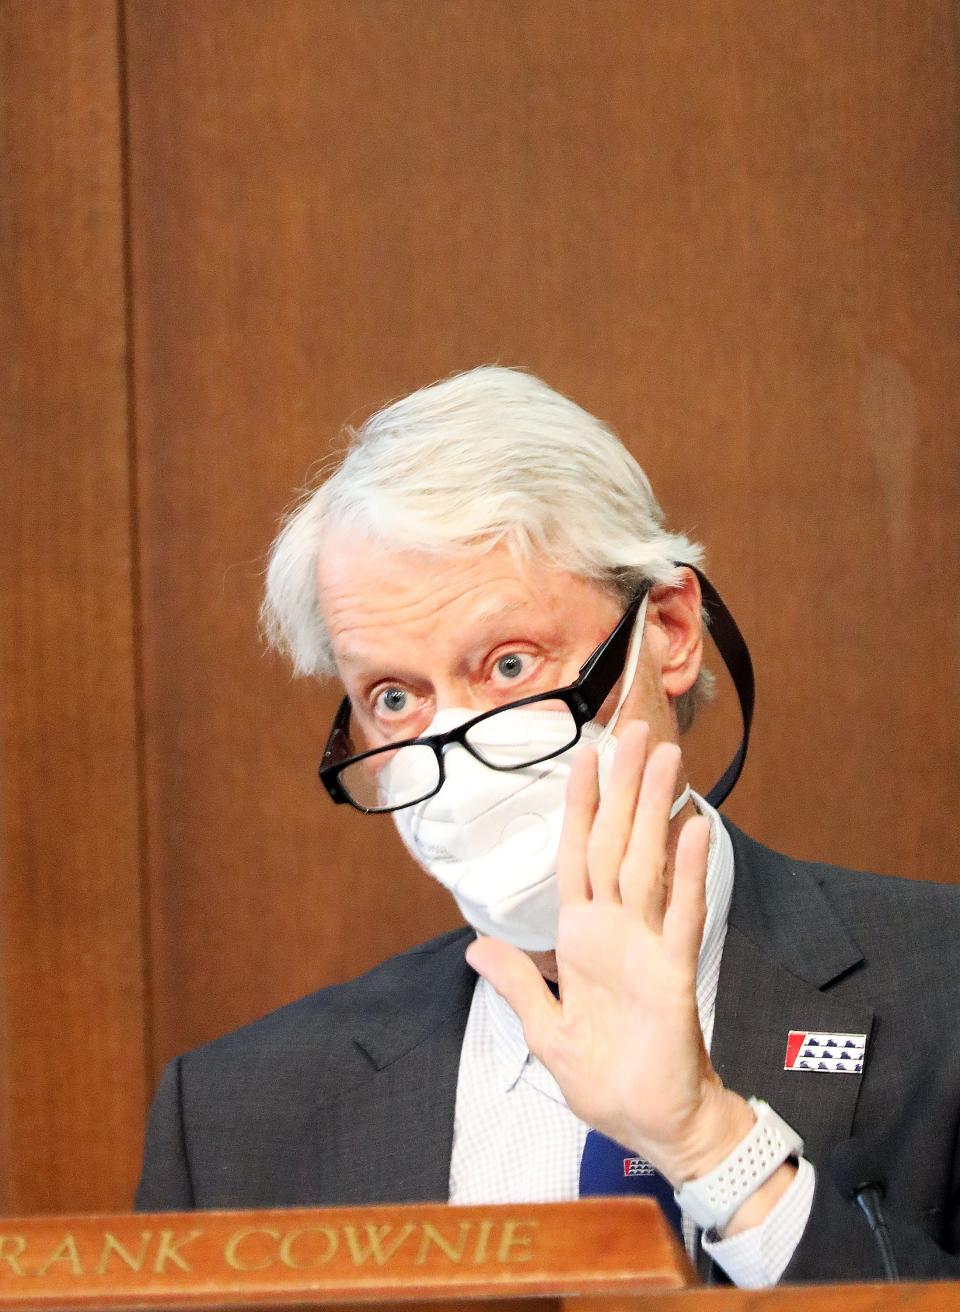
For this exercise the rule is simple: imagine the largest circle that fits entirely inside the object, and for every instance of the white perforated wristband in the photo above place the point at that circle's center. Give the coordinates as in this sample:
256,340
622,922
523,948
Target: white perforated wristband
712,1199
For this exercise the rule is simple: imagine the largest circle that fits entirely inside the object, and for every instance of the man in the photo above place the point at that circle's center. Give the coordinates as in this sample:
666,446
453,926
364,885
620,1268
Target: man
521,641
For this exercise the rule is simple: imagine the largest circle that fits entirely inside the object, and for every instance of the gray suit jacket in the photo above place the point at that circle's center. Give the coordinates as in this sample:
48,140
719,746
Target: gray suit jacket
347,1096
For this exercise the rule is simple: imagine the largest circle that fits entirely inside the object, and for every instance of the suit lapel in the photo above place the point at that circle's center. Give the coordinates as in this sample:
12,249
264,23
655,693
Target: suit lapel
784,959
758,1002
388,1136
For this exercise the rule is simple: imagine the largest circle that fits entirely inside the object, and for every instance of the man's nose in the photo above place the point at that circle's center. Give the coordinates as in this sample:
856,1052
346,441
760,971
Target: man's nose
461,695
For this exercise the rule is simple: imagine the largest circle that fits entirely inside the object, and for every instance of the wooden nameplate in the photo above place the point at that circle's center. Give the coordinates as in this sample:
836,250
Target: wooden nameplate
338,1255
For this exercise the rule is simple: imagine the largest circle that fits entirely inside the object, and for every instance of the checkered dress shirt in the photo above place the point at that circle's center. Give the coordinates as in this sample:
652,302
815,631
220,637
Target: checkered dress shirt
516,1141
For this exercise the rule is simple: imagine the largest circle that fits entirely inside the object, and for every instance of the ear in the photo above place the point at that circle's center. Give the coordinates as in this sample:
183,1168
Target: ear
675,612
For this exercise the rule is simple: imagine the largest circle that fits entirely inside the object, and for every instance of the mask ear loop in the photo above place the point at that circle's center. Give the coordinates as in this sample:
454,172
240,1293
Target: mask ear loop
626,683
629,669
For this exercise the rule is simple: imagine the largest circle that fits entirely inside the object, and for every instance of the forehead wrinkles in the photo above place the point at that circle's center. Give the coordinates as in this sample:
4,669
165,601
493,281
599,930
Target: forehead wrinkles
352,611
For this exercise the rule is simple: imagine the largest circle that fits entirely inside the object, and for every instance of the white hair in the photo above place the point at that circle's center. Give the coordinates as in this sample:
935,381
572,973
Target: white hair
487,456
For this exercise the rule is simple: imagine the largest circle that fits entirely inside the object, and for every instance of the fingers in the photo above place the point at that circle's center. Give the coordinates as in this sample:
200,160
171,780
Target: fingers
687,912
614,849
643,874
610,835
520,984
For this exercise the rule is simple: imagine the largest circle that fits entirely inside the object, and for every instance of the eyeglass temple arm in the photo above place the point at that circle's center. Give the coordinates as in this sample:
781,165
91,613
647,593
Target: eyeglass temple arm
612,650
731,645
341,723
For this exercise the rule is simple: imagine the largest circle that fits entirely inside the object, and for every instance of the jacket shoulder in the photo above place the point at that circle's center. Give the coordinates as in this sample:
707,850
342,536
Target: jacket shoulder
904,928
858,887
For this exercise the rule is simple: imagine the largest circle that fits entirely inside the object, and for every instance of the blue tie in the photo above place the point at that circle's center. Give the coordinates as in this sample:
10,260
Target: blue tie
606,1167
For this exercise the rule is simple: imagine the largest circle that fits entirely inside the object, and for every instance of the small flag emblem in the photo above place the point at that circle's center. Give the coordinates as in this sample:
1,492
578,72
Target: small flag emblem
808,1050
637,1166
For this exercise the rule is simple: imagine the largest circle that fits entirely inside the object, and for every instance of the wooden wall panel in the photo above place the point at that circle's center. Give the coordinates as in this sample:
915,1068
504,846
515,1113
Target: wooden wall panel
730,228
849,355
72,1076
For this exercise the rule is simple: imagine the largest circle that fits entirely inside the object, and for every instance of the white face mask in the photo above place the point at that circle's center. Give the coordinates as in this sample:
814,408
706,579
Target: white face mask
492,836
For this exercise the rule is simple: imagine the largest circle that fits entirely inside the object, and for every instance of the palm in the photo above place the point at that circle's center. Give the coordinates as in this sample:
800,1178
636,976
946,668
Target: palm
614,1044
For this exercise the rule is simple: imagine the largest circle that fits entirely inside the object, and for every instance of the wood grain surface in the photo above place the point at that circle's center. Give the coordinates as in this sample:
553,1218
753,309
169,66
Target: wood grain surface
74,1025
335,1255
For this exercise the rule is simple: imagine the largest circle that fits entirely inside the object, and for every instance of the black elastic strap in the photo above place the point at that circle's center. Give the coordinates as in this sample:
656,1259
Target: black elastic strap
732,647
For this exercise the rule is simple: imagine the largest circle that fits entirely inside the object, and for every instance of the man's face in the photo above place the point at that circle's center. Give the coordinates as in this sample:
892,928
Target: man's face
413,635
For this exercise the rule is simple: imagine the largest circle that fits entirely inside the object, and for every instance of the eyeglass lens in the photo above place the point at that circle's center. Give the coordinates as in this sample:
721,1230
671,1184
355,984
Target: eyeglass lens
509,739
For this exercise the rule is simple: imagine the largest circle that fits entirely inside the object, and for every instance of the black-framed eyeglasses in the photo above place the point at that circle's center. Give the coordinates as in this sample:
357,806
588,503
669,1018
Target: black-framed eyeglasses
404,773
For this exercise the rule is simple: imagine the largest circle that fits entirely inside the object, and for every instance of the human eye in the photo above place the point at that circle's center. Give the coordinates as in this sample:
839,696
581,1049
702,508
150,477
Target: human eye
392,702
390,711
513,666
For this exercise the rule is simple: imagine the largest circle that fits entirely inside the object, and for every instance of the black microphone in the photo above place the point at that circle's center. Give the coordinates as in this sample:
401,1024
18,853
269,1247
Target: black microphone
855,1173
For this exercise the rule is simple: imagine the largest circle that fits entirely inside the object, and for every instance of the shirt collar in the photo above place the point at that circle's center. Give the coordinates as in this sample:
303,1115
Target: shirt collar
719,892
511,1053
506,1034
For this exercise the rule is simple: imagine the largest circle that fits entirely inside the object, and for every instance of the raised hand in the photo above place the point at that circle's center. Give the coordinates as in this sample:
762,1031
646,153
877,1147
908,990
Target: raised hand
624,1043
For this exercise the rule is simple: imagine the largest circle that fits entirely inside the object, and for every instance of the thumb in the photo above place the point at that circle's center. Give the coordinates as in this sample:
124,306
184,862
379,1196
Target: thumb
520,984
